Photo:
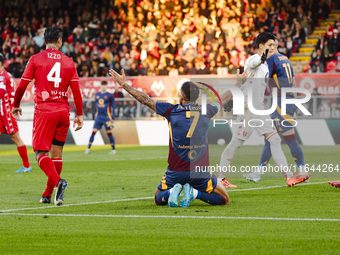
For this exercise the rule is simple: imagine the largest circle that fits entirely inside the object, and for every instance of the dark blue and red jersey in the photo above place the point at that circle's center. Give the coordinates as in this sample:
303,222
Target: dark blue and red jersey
105,105
281,73
188,128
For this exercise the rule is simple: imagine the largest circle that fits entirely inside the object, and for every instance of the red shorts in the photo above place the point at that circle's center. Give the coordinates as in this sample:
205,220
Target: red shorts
8,125
48,126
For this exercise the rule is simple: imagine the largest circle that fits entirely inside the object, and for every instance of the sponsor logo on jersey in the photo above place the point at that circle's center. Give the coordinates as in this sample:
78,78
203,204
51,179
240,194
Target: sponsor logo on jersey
45,95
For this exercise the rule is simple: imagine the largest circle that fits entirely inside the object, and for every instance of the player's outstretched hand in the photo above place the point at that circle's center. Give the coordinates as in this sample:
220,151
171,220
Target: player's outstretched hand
16,111
120,79
264,56
79,122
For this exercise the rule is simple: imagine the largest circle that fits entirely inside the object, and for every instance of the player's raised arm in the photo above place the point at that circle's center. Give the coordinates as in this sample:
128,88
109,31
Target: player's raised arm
138,95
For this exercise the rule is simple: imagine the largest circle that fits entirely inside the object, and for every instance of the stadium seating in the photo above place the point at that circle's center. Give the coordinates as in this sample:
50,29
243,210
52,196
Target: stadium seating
166,38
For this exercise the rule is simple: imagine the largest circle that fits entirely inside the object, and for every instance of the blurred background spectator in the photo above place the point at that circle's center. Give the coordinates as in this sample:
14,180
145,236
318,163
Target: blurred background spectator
165,37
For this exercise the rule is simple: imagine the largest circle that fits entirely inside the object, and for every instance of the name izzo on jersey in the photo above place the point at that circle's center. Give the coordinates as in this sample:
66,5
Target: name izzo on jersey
53,55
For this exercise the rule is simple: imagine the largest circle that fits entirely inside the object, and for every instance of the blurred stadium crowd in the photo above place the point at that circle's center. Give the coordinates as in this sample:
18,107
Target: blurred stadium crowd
162,37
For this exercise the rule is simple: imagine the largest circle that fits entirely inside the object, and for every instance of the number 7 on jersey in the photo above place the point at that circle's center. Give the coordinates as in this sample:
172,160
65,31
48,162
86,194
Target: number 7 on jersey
192,128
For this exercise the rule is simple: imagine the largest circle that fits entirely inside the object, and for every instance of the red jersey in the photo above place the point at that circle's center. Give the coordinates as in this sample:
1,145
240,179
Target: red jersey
53,72
8,124
6,92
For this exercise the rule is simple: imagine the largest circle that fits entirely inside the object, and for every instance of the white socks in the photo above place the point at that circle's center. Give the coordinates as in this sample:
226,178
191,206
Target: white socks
227,156
195,192
278,155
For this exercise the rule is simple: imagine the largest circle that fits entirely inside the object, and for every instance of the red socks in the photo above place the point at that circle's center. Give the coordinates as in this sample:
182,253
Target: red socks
23,154
46,164
58,163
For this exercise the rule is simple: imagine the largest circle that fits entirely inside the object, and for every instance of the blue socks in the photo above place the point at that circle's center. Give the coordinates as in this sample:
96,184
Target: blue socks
91,139
266,154
211,198
162,197
112,140
295,149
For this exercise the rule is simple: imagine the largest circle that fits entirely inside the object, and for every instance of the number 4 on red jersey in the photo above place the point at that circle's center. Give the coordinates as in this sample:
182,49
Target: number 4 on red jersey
53,72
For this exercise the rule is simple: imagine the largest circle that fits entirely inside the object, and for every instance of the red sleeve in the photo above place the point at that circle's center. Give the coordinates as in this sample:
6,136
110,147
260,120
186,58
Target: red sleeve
20,92
29,71
2,92
78,100
2,89
75,76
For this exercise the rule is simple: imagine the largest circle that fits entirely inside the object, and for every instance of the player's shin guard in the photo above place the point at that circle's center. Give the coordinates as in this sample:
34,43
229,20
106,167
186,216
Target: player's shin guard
227,156
46,164
91,139
295,149
211,198
58,163
112,140
161,198
23,154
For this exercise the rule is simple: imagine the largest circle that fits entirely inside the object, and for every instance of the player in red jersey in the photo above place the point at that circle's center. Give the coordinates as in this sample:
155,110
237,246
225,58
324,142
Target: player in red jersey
8,125
53,73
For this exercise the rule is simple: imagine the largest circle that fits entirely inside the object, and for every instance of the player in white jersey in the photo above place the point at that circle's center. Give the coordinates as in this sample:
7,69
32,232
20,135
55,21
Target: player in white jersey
257,71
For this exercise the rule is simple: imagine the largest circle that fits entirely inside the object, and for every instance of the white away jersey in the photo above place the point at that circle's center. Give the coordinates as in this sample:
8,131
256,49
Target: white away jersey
257,76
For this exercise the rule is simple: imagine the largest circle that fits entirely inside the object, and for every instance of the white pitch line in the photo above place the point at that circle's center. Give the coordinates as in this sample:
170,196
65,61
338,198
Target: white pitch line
106,160
138,198
68,205
273,187
173,217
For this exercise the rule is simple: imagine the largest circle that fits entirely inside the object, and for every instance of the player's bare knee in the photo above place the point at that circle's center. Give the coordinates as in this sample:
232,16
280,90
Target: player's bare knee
57,149
56,154
40,153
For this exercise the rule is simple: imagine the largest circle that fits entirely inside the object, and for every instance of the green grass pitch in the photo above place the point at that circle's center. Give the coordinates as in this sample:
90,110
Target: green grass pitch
103,215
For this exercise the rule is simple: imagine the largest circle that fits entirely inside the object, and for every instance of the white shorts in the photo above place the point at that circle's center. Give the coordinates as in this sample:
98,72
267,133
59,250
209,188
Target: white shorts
263,125
248,123
242,131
